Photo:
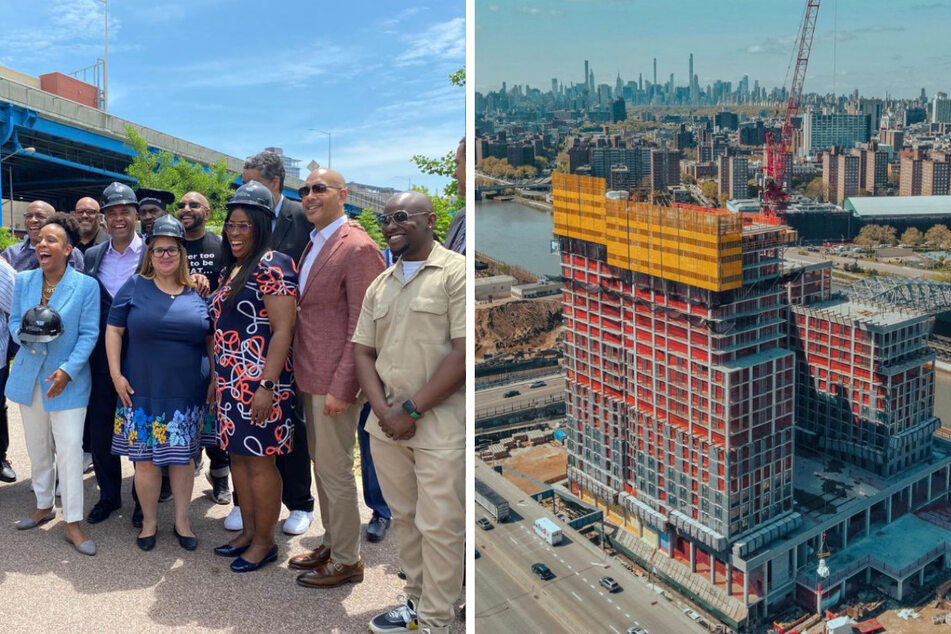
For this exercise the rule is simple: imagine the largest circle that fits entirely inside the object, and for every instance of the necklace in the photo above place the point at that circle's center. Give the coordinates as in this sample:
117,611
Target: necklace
234,272
48,291
170,294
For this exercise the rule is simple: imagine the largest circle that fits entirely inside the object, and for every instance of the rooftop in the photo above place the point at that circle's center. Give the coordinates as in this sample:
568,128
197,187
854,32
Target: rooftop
843,310
899,206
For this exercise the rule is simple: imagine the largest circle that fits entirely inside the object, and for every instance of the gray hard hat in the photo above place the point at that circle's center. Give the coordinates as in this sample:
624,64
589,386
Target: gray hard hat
167,226
118,194
254,195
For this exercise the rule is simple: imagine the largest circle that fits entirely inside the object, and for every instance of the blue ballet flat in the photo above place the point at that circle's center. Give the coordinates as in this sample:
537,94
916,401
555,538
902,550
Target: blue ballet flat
242,565
230,551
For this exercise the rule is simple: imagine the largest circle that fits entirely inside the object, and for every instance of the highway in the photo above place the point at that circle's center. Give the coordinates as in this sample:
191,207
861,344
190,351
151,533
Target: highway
492,399
573,598
792,254
504,605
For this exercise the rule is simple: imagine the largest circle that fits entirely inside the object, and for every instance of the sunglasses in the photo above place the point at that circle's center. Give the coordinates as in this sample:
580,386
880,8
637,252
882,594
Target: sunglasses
237,227
399,217
191,204
319,188
165,252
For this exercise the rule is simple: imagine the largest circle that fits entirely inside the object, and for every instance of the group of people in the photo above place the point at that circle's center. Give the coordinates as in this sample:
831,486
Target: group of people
271,348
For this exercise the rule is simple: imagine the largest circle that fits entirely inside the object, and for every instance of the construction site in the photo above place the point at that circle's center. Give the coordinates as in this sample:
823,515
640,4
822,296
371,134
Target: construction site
759,441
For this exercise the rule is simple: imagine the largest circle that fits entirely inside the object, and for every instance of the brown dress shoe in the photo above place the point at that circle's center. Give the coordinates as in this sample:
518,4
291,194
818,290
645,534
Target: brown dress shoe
312,560
331,574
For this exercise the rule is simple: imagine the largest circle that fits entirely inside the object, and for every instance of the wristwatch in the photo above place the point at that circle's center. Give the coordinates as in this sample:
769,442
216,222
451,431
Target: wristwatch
268,384
410,408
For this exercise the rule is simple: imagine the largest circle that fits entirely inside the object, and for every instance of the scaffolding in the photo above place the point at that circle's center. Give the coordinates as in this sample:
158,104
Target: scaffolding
917,294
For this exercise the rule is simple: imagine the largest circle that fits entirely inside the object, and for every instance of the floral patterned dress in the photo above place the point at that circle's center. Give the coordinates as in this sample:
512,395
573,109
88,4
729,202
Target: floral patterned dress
242,337
164,360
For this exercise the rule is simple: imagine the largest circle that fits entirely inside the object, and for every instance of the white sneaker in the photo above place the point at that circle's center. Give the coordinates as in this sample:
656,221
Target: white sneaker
233,521
298,522
87,462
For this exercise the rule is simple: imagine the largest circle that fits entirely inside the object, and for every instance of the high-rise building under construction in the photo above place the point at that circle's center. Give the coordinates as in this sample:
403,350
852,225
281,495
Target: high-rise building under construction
690,348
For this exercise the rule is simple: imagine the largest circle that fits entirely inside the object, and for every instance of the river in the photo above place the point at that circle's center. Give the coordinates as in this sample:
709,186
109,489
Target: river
518,235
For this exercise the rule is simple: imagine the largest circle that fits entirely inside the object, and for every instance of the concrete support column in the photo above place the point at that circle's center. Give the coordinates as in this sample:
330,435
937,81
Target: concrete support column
947,479
911,497
901,589
713,570
928,500
746,587
845,533
921,576
795,560
729,579
888,510
693,557
868,521
868,576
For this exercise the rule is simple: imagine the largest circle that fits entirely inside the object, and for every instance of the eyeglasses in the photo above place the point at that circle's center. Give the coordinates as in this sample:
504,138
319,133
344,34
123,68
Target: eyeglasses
318,188
399,217
86,212
166,252
191,204
238,227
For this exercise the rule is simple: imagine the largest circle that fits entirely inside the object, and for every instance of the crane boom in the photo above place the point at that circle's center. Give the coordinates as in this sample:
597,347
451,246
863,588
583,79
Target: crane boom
778,153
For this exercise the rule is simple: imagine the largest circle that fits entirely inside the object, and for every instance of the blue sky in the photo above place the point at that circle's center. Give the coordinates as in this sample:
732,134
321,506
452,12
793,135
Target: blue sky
237,76
880,46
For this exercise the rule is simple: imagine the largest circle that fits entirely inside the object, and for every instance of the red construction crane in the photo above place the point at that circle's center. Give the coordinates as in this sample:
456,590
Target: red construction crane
778,153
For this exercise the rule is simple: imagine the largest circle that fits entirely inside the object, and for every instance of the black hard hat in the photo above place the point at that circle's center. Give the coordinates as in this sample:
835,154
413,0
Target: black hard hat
255,195
118,194
167,226
40,324
157,197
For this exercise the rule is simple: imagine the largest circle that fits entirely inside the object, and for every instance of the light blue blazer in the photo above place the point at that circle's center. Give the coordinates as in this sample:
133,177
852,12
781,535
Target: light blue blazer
76,299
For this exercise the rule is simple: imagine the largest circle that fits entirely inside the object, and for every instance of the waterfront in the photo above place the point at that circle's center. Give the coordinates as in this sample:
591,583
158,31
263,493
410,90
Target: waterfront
516,234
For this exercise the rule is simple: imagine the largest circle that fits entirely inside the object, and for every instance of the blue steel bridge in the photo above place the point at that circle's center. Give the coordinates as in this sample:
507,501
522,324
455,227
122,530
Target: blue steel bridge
79,150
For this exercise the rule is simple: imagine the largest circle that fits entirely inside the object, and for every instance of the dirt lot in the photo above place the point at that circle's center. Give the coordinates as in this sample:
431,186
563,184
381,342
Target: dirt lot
548,463
518,326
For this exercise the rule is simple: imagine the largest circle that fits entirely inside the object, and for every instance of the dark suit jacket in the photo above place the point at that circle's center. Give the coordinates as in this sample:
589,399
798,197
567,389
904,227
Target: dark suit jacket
98,362
292,231
328,310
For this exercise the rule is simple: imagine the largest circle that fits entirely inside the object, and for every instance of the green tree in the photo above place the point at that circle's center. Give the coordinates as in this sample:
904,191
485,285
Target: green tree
709,189
912,237
814,188
523,172
163,170
368,221
874,235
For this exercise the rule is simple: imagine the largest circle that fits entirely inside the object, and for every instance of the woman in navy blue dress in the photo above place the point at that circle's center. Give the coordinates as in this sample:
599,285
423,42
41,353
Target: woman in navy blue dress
254,311
160,378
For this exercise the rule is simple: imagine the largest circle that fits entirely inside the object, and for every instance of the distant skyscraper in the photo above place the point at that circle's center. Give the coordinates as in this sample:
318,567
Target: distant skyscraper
585,74
941,108
655,71
618,110
554,85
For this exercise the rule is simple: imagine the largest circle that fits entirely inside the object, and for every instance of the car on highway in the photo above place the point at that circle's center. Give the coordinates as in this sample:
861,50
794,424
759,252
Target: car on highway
485,524
477,553
609,584
511,393
535,384
636,629
543,571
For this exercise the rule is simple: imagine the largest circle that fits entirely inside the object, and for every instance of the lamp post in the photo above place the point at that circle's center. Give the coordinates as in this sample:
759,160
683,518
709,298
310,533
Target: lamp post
105,64
330,138
22,150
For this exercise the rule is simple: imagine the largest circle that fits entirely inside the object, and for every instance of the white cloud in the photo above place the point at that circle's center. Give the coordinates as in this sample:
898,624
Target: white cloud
443,41
389,24
71,27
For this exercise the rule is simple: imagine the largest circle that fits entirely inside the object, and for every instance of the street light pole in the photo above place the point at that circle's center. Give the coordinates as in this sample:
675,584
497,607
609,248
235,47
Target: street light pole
105,64
23,150
330,138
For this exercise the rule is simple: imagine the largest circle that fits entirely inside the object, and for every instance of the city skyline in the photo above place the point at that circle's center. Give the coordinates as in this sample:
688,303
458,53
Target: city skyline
726,41
232,78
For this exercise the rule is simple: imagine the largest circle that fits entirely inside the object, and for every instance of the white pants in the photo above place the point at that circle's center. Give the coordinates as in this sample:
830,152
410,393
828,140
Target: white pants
41,429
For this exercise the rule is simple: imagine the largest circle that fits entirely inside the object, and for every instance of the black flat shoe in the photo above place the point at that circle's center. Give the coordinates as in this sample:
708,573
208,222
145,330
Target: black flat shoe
102,510
188,543
242,565
146,543
230,551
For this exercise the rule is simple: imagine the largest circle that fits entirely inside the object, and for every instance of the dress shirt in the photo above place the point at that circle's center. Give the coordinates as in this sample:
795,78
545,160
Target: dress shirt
318,239
7,279
22,257
116,268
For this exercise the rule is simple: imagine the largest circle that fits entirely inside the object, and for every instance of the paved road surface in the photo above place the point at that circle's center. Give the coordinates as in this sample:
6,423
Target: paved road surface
492,398
574,596
792,254
46,586
504,604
